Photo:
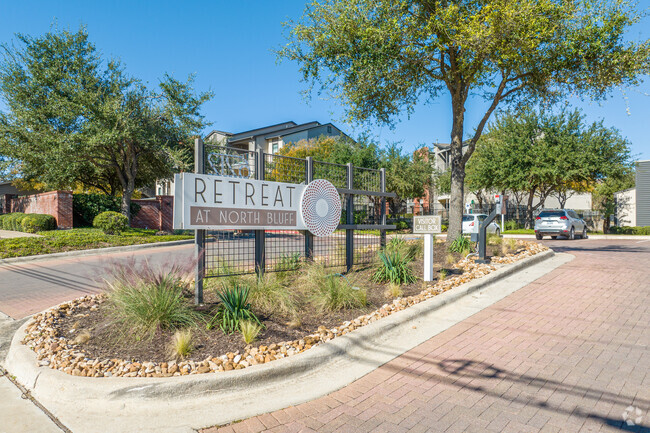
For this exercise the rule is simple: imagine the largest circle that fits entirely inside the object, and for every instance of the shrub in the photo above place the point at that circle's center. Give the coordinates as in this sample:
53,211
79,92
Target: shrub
401,225
393,291
268,296
233,309
443,228
443,274
249,330
513,225
13,221
460,245
493,239
33,223
143,299
630,230
182,343
86,207
394,268
111,223
330,292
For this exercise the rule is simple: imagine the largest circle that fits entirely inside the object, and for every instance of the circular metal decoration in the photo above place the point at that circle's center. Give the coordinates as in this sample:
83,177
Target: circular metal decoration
320,207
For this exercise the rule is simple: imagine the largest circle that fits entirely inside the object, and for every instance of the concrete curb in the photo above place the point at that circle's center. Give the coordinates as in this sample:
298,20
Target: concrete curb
94,251
182,403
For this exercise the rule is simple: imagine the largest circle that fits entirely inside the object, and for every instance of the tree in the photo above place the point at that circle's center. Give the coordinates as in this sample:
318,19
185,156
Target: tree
407,175
603,195
75,119
381,57
540,153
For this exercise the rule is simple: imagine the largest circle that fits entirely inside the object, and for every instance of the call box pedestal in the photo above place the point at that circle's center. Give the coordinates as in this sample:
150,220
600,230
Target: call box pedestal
428,225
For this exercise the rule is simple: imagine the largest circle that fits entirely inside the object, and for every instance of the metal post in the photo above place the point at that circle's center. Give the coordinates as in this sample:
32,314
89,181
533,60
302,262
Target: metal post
429,241
199,235
260,262
349,219
309,237
382,236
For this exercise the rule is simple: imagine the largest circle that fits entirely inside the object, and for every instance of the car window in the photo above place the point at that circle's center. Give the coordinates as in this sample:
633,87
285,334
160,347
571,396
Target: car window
482,217
467,218
551,213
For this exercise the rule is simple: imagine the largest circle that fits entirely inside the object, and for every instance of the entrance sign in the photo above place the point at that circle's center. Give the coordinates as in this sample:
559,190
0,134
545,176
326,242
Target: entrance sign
427,224
212,202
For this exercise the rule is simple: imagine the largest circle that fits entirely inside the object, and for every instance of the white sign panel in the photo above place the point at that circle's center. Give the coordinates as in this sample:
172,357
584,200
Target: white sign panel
427,224
221,202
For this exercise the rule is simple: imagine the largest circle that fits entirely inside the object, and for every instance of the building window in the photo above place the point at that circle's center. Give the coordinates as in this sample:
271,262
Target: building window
329,129
275,145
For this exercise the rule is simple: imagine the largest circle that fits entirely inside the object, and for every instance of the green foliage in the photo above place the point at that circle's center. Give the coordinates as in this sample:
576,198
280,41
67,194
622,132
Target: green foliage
443,228
78,239
143,299
268,295
407,175
112,223
33,223
394,267
630,230
13,221
74,118
460,245
382,58
541,152
513,225
86,207
442,274
330,292
401,225
233,309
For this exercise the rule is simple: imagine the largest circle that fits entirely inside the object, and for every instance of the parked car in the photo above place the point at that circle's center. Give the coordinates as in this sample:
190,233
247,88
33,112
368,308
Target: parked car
471,223
560,222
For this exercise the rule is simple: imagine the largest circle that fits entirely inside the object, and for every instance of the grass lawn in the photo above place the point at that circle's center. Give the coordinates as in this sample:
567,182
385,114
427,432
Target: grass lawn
57,241
519,232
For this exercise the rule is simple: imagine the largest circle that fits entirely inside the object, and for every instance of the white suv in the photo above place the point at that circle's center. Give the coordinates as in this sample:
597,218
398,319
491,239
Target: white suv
559,222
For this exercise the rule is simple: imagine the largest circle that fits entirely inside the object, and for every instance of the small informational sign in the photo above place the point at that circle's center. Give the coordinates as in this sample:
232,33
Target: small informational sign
221,202
427,224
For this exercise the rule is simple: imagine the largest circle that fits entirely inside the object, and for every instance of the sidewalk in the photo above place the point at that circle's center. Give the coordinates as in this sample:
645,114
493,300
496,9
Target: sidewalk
569,352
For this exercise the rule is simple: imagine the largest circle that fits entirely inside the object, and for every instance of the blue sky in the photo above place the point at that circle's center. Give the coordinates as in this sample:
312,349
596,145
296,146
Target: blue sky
228,45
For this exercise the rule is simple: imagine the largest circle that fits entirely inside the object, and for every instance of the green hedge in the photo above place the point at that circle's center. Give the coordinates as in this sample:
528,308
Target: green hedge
86,207
12,221
33,223
111,223
630,230
30,223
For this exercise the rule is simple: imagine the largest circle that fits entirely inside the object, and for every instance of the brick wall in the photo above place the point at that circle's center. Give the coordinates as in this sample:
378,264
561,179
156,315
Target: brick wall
55,203
155,213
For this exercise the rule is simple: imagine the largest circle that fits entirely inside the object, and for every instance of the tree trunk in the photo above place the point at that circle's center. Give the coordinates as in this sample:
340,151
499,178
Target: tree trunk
606,224
529,209
127,194
457,195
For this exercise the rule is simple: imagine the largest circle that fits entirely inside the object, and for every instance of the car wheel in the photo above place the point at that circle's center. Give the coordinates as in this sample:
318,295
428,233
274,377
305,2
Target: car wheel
572,234
553,237
584,233
538,236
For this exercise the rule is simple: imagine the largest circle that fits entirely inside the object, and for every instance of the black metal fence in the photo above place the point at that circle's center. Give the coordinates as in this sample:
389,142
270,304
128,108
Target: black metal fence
360,234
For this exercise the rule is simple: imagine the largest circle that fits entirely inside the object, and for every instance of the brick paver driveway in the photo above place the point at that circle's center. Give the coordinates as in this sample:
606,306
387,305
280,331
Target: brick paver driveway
569,352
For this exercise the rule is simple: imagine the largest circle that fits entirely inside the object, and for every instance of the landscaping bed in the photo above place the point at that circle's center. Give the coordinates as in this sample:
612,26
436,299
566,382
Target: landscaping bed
57,241
85,337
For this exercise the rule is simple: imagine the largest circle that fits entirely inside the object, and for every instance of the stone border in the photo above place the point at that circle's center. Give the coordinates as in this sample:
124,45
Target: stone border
98,251
62,353
209,399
